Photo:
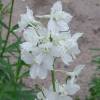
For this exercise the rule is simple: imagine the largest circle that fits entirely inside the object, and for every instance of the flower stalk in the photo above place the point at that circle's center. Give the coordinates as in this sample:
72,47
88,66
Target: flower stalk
53,79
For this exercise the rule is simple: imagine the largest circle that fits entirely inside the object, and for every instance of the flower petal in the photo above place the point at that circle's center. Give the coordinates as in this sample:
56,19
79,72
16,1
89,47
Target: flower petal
52,27
63,26
27,57
76,36
50,95
74,50
56,7
78,69
64,98
31,36
55,51
39,58
72,87
25,19
42,72
66,58
66,17
27,46
34,71
48,62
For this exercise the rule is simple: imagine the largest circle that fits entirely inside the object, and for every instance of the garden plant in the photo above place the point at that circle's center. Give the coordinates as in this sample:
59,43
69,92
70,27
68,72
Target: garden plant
35,55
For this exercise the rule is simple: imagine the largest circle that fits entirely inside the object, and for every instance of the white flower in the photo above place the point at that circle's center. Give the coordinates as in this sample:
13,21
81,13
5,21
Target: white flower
38,71
69,48
54,96
58,18
76,71
43,45
27,19
28,52
52,27
50,95
65,46
31,36
71,87
73,45
40,62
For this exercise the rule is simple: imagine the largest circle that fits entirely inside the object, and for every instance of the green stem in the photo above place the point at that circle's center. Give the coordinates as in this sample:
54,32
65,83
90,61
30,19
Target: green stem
8,33
53,79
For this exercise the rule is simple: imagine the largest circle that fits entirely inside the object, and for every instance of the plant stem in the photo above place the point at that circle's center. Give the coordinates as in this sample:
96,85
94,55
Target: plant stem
8,33
53,79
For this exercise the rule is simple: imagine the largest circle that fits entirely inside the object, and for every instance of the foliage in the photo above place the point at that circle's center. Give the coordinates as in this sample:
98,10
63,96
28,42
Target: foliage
11,86
95,84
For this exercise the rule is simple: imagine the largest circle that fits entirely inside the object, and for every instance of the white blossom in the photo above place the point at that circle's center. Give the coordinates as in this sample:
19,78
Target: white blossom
76,71
42,45
27,19
31,36
58,18
40,61
50,95
71,87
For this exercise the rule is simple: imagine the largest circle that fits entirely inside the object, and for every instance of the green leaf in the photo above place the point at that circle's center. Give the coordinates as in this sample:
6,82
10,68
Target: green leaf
1,43
4,63
96,60
6,8
1,18
6,27
3,24
12,91
14,27
6,70
14,47
1,6
95,49
19,66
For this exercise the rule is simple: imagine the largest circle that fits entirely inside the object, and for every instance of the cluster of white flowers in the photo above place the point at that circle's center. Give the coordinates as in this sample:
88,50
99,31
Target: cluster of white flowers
44,44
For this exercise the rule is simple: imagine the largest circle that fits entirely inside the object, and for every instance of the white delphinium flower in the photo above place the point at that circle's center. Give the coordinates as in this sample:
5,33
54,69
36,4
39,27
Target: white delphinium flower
58,18
36,52
76,71
26,52
45,61
63,92
65,46
43,45
27,19
70,48
31,36
68,89
40,64
36,70
71,87
50,95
